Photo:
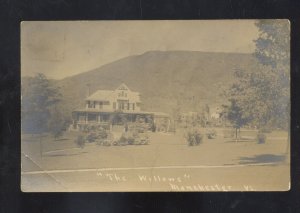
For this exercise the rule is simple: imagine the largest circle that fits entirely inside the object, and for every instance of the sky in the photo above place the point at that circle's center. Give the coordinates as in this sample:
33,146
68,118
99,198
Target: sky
60,49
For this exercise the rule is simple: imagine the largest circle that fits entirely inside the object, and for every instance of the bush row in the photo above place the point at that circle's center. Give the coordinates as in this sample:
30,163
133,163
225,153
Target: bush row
106,138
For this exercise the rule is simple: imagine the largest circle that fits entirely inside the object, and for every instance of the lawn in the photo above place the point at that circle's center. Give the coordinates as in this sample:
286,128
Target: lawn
166,150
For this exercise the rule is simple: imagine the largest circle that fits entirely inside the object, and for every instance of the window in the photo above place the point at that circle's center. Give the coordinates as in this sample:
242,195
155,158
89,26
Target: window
81,118
122,94
92,117
114,105
133,106
91,104
105,118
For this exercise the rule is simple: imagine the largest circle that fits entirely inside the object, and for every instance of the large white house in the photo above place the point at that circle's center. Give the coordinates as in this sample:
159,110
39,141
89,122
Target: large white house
122,99
111,106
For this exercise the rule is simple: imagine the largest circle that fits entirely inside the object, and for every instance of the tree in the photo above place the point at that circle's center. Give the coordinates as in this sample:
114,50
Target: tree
58,122
224,114
42,110
38,97
273,44
273,51
262,95
236,116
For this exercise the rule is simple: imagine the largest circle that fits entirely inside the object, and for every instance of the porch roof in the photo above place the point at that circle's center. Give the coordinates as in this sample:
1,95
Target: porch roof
92,110
159,114
111,111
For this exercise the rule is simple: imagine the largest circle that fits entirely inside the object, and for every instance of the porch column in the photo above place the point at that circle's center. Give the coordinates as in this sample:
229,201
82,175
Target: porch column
73,118
99,118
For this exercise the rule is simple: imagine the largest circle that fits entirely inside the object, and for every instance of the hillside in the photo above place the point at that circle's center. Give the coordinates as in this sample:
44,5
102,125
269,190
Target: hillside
165,80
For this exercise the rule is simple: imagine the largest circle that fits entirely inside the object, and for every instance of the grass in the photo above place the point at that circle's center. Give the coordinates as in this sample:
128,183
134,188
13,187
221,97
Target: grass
164,150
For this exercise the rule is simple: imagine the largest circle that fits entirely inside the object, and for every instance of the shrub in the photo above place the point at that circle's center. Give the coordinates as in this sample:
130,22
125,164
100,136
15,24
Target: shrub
102,134
132,138
123,141
194,138
211,134
80,141
142,139
127,138
261,138
104,138
91,137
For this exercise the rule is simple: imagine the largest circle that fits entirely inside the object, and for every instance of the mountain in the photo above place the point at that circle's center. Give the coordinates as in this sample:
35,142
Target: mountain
165,79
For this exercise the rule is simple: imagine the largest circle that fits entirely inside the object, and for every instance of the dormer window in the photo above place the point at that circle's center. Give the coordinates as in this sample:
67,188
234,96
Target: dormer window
91,104
122,94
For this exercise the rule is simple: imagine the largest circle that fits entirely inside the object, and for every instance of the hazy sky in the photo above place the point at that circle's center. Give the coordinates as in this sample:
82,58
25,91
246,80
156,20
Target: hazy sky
61,49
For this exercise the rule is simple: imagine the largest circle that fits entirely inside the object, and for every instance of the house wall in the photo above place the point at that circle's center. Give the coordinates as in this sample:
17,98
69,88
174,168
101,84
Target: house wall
98,105
110,106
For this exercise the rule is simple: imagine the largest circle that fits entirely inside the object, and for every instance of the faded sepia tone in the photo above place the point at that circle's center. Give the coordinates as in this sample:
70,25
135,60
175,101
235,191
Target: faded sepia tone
155,106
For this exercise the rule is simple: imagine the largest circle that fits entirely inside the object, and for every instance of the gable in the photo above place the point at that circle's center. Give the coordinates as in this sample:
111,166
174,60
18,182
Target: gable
123,87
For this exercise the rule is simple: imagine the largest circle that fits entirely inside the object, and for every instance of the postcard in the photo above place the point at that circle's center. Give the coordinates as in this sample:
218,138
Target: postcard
155,106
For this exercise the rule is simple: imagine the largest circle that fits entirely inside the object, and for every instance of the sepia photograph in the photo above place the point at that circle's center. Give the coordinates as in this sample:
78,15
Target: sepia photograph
155,106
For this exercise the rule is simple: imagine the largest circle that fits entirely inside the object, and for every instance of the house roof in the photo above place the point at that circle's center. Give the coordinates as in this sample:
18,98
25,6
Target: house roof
100,95
159,114
109,95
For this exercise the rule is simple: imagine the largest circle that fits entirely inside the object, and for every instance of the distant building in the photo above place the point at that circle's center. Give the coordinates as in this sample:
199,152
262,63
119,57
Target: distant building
112,107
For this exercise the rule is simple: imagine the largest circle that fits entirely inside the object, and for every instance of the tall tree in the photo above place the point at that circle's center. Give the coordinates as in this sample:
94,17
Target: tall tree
263,95
273,44
237,117
38,96
273,51
58,121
